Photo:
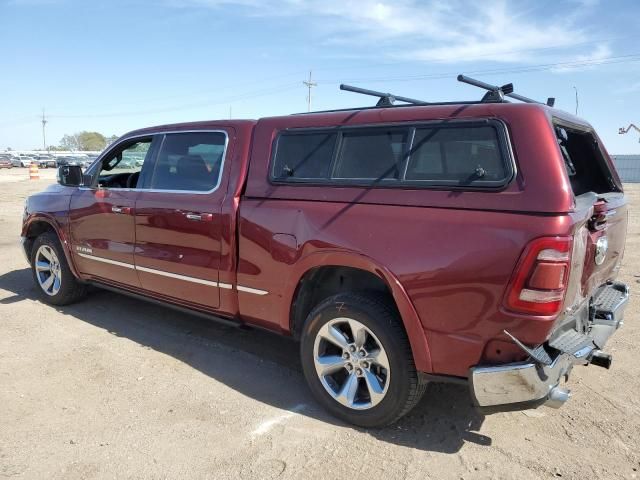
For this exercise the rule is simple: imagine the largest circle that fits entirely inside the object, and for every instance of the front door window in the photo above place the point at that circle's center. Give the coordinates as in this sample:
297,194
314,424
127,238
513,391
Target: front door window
122,168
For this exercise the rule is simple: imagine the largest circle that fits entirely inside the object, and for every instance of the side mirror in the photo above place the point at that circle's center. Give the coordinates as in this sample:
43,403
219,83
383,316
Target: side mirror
70,175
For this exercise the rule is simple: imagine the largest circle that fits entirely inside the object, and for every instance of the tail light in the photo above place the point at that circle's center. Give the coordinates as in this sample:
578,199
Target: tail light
539,281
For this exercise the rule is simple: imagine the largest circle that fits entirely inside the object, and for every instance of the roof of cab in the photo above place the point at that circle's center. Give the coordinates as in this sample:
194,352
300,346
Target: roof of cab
188,126
367,115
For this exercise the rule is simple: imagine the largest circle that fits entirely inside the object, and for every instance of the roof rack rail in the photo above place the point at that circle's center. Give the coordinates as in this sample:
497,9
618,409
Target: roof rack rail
497,94
386,99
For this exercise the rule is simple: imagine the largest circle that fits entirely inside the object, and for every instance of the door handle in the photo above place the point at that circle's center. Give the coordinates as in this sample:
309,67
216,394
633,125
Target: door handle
199,217
123,210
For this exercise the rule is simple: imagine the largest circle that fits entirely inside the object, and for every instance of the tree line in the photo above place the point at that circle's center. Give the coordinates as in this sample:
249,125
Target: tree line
84,141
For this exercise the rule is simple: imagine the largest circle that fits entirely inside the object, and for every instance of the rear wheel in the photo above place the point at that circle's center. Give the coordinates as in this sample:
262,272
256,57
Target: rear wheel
357,360
51,272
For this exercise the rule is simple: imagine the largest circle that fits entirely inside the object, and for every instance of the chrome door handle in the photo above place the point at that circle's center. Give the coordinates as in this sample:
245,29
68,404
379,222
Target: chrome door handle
199,217
124,210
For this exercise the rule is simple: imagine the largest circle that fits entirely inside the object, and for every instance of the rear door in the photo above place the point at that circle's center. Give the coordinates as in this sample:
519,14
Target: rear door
102,228
178,219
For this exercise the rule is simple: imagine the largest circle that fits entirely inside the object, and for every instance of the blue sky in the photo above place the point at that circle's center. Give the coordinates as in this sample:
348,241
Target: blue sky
115,66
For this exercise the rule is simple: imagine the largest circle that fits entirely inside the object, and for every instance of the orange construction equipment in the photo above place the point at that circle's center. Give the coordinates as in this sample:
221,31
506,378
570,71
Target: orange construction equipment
34,173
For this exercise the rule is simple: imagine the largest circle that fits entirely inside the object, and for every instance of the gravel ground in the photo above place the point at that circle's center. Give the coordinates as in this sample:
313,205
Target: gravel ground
117,388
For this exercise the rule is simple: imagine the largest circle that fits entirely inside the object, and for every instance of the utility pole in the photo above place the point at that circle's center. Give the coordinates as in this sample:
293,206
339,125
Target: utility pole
623,130
44,137
576,99
309,84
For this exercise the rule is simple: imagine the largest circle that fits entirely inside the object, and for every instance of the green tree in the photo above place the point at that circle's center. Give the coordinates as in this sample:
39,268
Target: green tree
84,141
69,142
91,141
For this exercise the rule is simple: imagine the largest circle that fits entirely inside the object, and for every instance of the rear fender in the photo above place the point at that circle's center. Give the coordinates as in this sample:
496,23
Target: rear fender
410,319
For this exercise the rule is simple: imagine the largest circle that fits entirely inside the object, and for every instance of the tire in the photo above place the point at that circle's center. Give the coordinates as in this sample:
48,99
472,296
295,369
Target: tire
378,396
64,288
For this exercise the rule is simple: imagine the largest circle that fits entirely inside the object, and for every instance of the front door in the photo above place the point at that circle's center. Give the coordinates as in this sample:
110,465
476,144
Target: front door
178,221
101,215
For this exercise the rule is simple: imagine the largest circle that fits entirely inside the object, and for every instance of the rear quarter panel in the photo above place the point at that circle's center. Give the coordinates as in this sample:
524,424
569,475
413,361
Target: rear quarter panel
455,279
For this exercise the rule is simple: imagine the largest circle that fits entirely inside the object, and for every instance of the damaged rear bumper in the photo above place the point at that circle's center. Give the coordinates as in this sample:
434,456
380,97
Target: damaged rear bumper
537,381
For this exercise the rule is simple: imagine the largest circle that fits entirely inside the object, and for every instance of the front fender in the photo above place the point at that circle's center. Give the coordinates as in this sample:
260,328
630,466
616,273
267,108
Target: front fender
410,319
29,225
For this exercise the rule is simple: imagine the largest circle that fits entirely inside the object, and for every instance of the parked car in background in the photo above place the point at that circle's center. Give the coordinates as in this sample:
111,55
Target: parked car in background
46,161
5,161
21,161
475,242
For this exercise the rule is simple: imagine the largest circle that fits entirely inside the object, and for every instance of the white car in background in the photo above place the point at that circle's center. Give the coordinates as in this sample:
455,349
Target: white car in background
21,161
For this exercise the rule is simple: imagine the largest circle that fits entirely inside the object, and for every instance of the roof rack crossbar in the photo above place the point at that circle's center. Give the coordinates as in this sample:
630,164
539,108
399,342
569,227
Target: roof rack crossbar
497,94
386,99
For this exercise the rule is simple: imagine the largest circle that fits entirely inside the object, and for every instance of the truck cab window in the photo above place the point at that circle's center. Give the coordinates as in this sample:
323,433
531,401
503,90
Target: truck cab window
121,169
190,162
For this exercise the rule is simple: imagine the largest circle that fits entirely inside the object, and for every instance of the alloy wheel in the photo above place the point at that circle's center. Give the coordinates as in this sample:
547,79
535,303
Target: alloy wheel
351,363
48,270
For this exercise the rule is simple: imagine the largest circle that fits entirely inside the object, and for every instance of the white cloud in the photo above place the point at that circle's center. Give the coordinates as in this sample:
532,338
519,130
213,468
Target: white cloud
430,30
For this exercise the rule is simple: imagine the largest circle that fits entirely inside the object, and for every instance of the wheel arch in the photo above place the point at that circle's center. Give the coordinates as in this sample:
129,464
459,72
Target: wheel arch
36,225
309,269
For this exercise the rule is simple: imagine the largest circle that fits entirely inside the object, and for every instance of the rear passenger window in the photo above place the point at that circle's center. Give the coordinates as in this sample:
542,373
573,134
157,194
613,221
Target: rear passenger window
304,156
371,155
461,155
189,162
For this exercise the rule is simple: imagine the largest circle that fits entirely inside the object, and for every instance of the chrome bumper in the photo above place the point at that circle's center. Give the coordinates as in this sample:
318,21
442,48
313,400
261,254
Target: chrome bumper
533,383
517,383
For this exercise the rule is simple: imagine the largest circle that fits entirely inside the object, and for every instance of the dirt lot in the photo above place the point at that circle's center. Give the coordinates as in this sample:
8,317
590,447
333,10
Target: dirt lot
118,388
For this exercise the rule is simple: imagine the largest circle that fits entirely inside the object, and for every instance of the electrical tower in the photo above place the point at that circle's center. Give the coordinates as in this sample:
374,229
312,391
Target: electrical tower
44,137
623,130
309,84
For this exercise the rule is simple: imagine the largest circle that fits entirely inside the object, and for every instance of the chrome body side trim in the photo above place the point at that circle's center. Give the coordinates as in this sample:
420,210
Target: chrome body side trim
255,291
106,260
226,286
177,276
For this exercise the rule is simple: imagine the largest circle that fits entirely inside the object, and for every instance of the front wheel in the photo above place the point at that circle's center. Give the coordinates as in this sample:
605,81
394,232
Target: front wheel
56,282
357,360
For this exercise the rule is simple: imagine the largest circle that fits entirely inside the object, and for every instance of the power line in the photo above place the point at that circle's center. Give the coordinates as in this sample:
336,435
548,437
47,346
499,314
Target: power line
525,69
310,84
257,93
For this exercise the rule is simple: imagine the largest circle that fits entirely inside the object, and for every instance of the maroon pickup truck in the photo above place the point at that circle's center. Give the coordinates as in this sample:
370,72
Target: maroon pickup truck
401,244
